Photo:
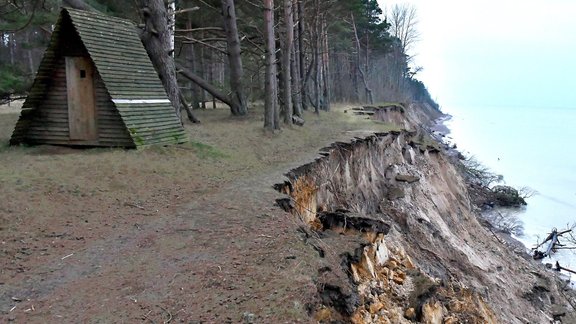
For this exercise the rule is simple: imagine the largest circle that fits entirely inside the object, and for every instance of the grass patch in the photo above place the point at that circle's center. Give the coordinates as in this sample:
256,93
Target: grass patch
7,123
222,148
4,145
205,151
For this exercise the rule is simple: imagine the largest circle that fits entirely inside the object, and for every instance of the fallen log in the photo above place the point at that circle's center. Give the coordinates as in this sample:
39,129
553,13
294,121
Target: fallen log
553,242
204,85
553,245
559,267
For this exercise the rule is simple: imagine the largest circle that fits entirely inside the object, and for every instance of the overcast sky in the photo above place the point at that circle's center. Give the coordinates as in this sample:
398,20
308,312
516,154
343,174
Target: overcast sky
497,52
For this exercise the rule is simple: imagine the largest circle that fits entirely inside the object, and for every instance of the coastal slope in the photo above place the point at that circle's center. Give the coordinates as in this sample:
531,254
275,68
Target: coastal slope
394,222
195,232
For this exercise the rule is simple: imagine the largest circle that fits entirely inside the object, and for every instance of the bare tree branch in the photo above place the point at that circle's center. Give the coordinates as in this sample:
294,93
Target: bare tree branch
403,20
29,21
199,29
181,11
194,41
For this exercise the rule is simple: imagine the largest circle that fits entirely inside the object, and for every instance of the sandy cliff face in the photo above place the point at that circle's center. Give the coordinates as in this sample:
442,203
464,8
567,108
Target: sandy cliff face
391,215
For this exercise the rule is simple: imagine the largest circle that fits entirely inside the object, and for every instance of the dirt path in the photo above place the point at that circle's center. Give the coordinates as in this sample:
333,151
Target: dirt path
190,233
227,253
186,233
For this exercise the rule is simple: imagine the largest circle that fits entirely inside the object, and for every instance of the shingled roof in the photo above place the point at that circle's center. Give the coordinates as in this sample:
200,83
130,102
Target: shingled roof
128,76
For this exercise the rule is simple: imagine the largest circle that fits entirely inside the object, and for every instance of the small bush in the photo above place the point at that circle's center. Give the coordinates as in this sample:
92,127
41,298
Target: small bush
479,174
505,220
507,196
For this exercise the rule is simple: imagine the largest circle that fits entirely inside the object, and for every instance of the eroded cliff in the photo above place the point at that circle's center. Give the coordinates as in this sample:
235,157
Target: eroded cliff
391,217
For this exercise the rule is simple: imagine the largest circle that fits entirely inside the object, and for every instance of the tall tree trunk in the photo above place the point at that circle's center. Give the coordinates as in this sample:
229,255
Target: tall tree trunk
367,58
317,60
192,65
202,74
270,102
287,43
296,94
212,73
11,45
156,40
359,66
279,70
238,97
367,69
326,65
301,53
354,77
171,13
29,52
295,72
317,81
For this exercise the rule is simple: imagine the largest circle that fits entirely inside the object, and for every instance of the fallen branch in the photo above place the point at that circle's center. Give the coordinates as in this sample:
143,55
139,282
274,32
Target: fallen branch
181,11
496,236
553,245
146,316
559,267
215,92
169,314
134,205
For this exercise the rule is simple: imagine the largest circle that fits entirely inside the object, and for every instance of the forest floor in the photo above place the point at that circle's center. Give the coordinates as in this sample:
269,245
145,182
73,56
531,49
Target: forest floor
163,234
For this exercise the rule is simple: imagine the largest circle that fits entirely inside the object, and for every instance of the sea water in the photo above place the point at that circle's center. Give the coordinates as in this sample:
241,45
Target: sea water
530,147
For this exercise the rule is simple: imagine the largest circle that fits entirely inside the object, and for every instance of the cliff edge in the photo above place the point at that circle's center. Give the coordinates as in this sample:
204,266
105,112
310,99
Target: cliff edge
381,229
400,240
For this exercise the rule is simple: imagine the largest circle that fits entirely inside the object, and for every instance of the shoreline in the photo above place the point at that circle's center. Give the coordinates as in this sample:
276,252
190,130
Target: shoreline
440,131
439,125
426,235
430,219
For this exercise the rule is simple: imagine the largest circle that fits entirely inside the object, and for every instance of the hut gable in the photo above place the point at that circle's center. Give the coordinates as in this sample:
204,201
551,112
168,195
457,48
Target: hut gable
96,86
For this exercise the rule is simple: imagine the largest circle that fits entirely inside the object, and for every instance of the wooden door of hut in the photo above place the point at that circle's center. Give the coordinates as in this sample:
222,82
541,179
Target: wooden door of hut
81,101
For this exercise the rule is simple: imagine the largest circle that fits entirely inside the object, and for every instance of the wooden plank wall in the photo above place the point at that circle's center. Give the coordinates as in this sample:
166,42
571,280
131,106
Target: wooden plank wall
153,125
125,67
47,121
111,128
48,124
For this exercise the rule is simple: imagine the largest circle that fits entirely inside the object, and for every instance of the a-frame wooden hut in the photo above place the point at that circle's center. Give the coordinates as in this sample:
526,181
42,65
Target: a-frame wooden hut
96,86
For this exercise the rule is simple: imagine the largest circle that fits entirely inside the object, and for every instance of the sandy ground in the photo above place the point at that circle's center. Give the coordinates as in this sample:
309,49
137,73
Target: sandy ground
12,108
166,234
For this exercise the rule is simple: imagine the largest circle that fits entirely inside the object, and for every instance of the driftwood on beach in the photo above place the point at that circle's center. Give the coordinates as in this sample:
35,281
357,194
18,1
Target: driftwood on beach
559,268
553,244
